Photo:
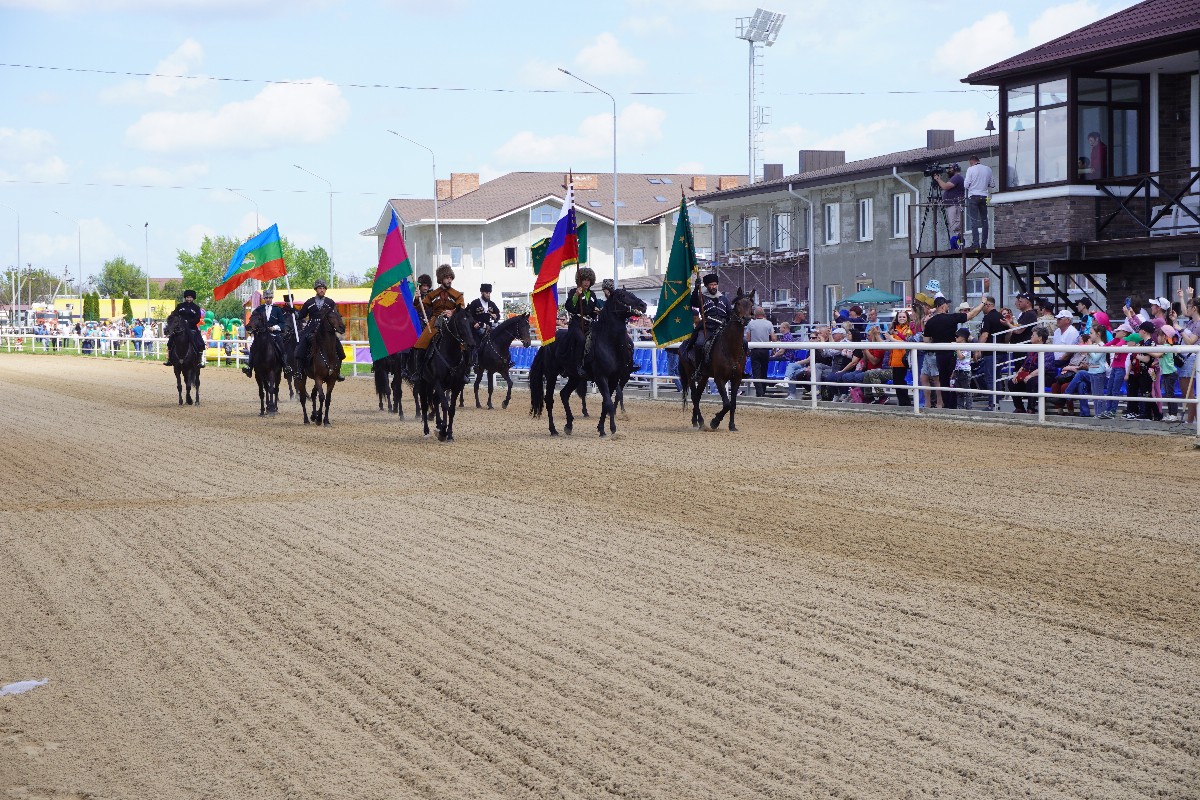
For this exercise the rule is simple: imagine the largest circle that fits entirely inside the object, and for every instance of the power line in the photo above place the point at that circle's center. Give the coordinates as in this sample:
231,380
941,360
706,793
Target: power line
501,90
195,188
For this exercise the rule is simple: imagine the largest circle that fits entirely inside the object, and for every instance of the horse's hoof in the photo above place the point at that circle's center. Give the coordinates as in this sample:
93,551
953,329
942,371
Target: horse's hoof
401,417
180,402
189,402
305,422
441,436
733,428
553,432
262,413
326,423
450,437
477,405
504,405
568,429
713,425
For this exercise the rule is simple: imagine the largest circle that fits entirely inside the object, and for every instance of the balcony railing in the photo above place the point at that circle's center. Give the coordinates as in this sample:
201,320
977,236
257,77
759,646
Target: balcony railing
1155,204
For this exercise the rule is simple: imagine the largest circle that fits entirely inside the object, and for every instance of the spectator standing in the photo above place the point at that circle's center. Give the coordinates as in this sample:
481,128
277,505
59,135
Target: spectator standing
1083,306
1137,380
977,183
759,330
994,326
138,330
902,331
962,369
1169,373
1116,373
941,328
873,321
953,195
1190,334
1097,367
1045,314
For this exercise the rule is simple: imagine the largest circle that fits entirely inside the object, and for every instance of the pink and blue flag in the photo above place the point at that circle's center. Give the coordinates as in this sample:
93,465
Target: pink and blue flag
392,322
563,251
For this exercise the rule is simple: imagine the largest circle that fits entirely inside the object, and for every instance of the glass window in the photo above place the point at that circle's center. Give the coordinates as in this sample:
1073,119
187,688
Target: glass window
832,223
781,238
1092,138
725,236
866,214
1126,90
477,257
1052,145
1093,89
621,258
456,257
1107,125
751,231
1022,135
639,257
543,215
900,215
1052,93
1021,98
1124,141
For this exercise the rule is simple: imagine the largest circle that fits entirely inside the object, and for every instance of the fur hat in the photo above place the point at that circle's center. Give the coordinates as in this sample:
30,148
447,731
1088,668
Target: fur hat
425,280
320,284
608,285
268,291
443,272
485,287
585,274
710,278
189,293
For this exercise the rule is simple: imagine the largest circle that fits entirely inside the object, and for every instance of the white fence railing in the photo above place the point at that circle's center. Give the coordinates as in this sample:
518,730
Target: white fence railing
229,352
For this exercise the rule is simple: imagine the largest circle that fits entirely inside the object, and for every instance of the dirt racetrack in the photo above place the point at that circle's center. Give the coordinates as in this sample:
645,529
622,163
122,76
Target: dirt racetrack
820,605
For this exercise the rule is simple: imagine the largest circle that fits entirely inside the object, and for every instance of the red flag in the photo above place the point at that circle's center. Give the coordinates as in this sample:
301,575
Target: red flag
563,251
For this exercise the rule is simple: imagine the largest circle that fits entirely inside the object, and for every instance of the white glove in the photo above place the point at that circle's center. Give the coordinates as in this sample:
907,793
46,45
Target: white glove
275,327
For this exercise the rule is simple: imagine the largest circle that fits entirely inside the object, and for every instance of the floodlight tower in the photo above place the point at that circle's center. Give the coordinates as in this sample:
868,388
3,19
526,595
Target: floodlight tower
762,28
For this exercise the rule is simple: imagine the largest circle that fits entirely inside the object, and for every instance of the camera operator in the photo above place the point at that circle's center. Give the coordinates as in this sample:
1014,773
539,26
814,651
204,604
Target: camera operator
952,201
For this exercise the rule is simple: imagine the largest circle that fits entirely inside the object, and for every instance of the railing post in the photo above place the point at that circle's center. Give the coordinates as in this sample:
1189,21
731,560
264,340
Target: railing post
812,377
654,373
914,366
1041,395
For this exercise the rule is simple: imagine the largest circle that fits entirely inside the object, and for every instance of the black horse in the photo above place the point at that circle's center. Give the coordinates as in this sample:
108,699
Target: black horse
725,364
323,367
267,365
185,356
444,372
607,359
492,358
390,373
291,337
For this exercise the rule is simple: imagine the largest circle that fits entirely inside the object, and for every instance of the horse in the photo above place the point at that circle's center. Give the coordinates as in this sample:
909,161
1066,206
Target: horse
547,365
725,363
607,360
390,372
381,368
185,356
324,367
267,365
444,372
290,338
493,354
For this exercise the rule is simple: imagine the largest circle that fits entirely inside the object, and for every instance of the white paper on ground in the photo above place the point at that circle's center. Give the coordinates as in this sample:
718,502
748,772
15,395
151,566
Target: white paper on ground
22,686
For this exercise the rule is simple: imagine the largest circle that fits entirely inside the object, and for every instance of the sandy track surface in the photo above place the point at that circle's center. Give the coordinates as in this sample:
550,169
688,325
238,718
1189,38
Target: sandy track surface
816,606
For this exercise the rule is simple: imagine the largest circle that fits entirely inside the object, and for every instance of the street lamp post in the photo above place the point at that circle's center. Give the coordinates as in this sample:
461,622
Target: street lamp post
14,297
614,105
318,177
79,254
257,227
146,262
437,232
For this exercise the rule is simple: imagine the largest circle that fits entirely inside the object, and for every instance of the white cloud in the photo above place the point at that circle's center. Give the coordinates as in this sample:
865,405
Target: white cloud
868,139
194,235
638,125
278,115
168,80
649,26
26,154
606,56
155,176
23,143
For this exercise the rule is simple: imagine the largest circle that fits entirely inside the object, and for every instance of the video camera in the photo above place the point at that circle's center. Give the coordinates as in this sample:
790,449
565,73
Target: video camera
934,169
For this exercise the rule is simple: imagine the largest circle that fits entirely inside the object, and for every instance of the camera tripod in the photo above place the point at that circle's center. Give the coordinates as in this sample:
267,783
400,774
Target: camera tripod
935,207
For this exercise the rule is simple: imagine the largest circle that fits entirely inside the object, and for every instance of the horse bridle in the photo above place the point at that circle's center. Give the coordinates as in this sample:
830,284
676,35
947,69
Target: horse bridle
462,346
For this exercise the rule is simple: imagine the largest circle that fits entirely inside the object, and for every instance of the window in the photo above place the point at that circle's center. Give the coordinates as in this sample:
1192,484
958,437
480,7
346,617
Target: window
510,257
696,216
543,215
866,219
976,286
832,223
594,203
900,215
781,295
476,258
833,293
456,257
725,236
659,198
620,258
1036,125
862,286
900,289
1107,127
751,231
639,257
655,181
781,235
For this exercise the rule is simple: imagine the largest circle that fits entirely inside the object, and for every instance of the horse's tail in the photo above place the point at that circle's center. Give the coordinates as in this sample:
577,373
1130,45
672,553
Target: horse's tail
537,384
382,378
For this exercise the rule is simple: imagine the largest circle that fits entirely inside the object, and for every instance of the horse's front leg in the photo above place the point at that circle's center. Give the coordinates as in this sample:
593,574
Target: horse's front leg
491,387
328,403
565,396
508,379
478,380
724,391
196,372
262,399
179,385
733,398
302,395
606,407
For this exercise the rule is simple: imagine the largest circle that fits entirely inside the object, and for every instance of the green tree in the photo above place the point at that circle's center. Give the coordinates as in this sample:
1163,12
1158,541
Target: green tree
91,306
305,266
38,283
119,277
203,269
127,309
170,290
228,306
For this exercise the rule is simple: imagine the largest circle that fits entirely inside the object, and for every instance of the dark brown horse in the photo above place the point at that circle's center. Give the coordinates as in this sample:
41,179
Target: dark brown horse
444,372
266,361
185,356
323,367
607,361
493,356
723,359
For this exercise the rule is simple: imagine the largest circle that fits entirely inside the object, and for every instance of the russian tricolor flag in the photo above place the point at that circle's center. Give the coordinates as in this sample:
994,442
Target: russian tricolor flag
563,251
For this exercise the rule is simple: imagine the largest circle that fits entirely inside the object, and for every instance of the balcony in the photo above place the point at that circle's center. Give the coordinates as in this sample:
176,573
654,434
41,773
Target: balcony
1156,204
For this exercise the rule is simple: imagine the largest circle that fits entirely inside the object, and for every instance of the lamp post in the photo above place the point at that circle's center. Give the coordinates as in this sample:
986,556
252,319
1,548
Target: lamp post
79,253
762,28
257,227
614,105
437,232
14,297
330,185
146,262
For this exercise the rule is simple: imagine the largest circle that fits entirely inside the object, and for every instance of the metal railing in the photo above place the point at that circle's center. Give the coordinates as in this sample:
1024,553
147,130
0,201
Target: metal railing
1157,203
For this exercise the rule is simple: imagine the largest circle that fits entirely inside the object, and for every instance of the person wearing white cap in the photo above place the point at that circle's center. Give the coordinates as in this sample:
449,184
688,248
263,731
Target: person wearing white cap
1064,333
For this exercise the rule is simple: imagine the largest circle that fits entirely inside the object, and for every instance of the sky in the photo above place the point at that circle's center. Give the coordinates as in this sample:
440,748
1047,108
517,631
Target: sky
193,115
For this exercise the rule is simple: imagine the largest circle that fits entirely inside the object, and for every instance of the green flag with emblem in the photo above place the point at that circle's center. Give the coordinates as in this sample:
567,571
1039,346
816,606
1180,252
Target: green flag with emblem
539,248
673,321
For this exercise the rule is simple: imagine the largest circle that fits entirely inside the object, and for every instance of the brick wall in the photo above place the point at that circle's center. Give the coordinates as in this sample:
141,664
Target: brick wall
443,189
1174,145
463,182
584,182
1047,221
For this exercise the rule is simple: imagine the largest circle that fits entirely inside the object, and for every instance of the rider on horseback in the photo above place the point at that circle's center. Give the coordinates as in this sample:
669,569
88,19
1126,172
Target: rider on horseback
312,312
485,315
583,307
608,286
192,315
711,308
435,305
269,317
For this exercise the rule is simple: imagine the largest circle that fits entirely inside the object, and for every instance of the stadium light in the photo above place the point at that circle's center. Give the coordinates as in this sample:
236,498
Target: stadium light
762,28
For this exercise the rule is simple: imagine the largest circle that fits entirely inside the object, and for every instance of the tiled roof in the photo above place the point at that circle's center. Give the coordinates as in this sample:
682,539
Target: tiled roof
1148,23
508,193
867,167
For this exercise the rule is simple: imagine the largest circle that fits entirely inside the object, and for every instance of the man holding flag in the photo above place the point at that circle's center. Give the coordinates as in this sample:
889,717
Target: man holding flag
673,321
563,251
392,321
314,310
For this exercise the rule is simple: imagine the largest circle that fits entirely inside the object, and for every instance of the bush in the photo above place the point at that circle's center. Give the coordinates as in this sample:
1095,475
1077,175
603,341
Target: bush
127,309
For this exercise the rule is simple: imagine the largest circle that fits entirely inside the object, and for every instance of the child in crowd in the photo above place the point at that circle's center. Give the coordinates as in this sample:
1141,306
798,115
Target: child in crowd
961,379
1165,363
1137,381
1091,379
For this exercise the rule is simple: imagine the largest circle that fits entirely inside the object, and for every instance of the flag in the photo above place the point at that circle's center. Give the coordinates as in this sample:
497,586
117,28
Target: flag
563,251
673,321
261,257
392,322
539,248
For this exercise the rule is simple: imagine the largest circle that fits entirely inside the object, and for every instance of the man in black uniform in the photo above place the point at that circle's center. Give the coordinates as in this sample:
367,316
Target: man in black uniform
192,315
582,309
311,313
941,329
485,315
711,308
269,317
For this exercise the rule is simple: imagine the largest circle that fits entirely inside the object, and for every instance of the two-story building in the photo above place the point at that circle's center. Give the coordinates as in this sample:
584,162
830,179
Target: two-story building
834,228
1099,185
487,229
